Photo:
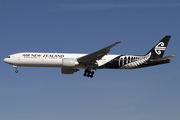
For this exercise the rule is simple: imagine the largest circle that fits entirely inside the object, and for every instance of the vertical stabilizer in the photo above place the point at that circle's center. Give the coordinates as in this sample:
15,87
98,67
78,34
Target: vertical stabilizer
158,50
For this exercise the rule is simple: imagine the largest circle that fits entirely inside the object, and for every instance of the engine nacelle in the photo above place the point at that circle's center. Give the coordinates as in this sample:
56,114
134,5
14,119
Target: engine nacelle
68,71
69,62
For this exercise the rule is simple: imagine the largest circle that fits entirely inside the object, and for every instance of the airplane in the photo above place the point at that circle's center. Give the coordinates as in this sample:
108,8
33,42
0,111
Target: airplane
71,63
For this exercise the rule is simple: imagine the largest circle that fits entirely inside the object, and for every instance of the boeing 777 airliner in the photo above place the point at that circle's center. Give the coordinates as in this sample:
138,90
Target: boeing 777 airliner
70,63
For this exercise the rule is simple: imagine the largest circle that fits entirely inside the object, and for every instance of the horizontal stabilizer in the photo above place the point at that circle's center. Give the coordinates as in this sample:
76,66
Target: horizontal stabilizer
164,58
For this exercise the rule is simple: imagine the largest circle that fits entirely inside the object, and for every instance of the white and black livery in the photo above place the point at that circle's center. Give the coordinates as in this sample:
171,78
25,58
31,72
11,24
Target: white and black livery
71,63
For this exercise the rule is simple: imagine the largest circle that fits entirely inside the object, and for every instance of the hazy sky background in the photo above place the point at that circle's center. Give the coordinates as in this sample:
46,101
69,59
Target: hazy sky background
78,26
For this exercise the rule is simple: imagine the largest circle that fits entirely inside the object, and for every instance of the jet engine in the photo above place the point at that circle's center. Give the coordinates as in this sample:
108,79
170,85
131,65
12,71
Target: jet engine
69,62
68,71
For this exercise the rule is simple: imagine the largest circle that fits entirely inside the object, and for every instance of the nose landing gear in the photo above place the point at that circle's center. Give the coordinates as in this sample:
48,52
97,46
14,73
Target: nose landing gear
16,71
88,73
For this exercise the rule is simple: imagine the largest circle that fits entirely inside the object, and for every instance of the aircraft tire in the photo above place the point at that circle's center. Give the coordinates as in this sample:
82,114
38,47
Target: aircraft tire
84,74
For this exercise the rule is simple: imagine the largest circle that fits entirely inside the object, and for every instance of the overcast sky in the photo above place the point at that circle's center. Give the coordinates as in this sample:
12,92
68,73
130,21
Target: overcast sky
78,26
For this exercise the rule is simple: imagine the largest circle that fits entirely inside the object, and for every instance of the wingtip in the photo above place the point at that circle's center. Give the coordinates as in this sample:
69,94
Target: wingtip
118,42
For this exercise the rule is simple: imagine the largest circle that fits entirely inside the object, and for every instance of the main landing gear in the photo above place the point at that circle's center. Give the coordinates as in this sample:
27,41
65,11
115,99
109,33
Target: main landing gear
88,73
16,71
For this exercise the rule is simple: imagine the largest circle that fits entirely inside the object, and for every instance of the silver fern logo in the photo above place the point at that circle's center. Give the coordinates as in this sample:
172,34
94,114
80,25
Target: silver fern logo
159,47
131,62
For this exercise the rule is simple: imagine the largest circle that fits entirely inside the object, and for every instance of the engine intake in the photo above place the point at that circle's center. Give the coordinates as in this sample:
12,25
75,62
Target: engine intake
69,62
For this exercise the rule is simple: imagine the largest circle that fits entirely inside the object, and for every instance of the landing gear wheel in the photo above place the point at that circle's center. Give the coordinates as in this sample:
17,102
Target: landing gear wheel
84,74
89,73
16,71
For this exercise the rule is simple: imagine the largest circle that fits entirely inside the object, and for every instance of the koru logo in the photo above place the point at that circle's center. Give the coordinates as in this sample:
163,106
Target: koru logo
159,47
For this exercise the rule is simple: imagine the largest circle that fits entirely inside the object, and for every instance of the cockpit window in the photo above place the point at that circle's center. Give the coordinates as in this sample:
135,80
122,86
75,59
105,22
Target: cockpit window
8,57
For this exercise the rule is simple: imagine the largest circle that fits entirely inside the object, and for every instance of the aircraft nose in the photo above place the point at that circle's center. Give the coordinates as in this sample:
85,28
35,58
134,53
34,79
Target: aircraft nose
5,60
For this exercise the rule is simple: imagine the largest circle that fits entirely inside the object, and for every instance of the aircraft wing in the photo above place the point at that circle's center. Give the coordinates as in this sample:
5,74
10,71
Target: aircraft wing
164,58
91,58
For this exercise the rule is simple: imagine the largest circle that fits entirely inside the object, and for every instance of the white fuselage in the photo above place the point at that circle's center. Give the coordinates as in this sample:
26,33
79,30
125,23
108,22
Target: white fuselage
28,59
71,63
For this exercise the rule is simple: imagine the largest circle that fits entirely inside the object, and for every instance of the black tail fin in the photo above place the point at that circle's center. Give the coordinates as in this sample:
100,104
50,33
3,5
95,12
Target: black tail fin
158,50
